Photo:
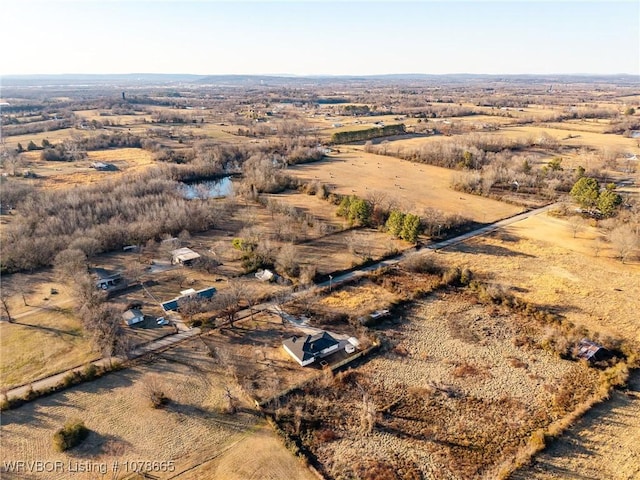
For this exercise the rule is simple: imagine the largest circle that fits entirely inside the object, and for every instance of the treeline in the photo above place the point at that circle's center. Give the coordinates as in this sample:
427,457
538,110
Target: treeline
379,212
39,127
102,217
368,134
469,151
71,149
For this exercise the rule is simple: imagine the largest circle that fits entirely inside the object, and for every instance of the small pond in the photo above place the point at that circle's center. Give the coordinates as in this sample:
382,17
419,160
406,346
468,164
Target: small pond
218,188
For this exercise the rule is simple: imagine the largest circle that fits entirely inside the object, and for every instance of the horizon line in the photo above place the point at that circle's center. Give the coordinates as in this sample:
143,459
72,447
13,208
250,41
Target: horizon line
312,75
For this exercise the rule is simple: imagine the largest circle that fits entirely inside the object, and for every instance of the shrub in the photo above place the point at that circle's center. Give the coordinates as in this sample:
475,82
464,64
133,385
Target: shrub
71,378
90,372
72,434
451,276
153,390
423,264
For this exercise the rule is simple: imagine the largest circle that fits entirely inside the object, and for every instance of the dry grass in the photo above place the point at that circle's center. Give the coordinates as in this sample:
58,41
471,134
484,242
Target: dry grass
124,427
41,344
70,174
602,444
45,338
413,187
253,353
260,454
449,401
562,273
359,300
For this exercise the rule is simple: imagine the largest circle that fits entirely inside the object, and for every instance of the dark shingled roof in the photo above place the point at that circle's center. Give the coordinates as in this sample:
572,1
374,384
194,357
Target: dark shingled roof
306,348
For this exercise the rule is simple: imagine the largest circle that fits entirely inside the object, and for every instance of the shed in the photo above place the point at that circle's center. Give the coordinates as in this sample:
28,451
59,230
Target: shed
107,279
264,275
591,351
183,256
305,350
104,167
133,316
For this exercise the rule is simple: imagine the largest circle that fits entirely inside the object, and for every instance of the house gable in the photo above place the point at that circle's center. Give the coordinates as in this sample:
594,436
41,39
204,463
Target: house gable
305,350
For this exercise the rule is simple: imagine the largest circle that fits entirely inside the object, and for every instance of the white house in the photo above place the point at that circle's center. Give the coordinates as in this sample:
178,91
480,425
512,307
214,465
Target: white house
183,256
133,316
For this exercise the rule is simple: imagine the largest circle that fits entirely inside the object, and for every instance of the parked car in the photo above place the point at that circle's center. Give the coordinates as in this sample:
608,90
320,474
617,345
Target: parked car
162,321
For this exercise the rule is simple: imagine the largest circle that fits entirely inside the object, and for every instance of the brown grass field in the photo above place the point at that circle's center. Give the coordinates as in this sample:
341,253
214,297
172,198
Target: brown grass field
46,336
539,260
583,134
259,455
413,187
602,444
65,174
191,430
453,394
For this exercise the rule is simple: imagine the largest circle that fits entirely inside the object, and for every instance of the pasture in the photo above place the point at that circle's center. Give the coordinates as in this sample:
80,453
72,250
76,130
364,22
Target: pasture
189,430
602,444
538,259
411,187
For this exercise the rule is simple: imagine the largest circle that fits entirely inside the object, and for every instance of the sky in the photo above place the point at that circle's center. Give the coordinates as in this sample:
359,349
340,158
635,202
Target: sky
307,37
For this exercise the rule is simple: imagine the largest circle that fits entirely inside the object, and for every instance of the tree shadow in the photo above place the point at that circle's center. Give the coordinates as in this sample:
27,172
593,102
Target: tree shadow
100,445
56,331
494,250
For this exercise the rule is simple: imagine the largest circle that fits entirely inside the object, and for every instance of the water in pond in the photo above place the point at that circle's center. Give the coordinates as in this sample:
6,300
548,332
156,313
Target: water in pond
219,188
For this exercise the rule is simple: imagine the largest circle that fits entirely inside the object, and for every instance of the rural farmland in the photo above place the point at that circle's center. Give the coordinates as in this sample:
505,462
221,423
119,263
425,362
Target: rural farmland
223,277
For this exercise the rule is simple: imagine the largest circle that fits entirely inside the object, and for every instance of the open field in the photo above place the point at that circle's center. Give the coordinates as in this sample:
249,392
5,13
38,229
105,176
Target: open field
54,136
539,259
189,430
70,174
260,454
460,381
46,337
586,135
413,187
41,344
452,396
602,444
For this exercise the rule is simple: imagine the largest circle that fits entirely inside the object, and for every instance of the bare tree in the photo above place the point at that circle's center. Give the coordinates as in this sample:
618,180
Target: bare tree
367,414
228,300
624,241
135,269
153,390
576,223
11,161
287,260
230,400
178,276
21,285
5,294
598,245
191,306
105,326
70,263
359,245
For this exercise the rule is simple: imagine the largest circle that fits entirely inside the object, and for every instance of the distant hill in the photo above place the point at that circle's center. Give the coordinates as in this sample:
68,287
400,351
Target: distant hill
284,79
97,79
